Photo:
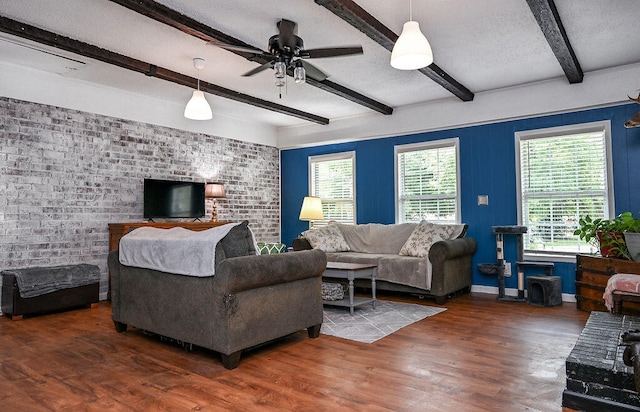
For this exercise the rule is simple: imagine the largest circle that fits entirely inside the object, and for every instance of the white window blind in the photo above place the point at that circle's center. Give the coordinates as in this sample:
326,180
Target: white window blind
562,178
332,180
427,182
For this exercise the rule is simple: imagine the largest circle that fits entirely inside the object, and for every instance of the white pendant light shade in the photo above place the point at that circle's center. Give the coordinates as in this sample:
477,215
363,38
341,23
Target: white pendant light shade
198,108
412,49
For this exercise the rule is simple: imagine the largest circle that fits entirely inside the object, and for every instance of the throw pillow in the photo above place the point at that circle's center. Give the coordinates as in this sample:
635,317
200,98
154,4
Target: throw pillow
238,242
425,235
271,248
327,239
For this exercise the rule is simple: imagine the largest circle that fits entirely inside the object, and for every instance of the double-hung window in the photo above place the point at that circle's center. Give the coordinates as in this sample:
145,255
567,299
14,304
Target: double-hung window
427,183
564,174
332,179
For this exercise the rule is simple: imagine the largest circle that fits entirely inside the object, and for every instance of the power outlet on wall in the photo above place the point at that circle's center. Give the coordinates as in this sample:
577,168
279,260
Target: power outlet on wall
507,269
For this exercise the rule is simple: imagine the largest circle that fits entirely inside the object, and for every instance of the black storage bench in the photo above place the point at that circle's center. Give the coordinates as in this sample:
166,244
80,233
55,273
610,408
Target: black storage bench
39,290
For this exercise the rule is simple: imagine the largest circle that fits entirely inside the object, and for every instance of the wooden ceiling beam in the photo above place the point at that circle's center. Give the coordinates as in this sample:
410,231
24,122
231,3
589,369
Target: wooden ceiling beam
359,18
548,19
170,17
84,49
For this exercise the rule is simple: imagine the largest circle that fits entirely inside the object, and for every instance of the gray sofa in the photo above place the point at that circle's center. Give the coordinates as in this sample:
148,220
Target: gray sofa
442,270
251,299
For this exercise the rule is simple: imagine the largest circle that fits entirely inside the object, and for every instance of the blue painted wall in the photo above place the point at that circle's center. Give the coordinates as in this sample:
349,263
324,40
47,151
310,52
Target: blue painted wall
487,167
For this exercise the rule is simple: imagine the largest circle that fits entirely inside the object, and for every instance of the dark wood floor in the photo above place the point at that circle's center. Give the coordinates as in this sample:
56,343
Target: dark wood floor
479,355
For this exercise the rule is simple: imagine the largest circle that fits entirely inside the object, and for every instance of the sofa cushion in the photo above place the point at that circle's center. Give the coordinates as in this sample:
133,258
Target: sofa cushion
426,234
354,257
376,237
404,270
327,239
238,242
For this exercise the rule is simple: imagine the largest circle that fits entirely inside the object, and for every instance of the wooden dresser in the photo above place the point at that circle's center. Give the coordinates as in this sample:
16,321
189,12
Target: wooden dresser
592,274
117,230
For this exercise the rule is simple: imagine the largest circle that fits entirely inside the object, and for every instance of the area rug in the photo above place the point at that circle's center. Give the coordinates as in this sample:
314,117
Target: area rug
368,325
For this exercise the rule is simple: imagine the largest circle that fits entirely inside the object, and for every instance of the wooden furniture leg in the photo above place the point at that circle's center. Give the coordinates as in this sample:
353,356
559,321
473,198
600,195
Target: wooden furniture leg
232,360
314,331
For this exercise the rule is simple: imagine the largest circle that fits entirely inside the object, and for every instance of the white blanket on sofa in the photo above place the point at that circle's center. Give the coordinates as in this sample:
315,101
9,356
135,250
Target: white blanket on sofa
176,250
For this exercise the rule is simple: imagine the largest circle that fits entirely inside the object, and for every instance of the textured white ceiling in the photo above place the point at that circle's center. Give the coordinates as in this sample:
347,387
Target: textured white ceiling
485,45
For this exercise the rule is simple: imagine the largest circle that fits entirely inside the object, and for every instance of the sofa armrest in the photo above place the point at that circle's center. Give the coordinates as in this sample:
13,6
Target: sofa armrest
451,266
301,243
238,274
448,249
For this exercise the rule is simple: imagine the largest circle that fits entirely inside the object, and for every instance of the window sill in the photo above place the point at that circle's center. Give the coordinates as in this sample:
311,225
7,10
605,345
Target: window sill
547,257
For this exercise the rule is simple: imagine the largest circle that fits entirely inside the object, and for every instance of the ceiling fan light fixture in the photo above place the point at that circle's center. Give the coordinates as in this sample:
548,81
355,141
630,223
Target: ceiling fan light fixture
299,73
198,108
412,49
280,69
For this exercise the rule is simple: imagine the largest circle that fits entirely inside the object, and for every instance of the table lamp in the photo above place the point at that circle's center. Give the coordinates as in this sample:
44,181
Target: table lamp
214,190
311,209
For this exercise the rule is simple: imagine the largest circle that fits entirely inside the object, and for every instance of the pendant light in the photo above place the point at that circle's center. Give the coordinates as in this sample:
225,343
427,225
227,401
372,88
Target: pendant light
412,49
198,108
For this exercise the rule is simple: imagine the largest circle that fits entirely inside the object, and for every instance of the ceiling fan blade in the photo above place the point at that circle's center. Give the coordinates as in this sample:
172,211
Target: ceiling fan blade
235,48
288,30
258,69
331,52
313,72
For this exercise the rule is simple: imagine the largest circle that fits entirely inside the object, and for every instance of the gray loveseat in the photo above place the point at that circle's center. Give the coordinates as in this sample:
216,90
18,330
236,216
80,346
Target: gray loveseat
432,260
250,300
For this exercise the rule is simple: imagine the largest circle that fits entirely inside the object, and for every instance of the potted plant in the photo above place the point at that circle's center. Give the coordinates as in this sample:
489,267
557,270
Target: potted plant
631,235
605,234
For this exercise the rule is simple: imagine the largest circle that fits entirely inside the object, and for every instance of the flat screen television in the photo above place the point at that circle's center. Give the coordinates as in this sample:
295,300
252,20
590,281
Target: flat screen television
173,199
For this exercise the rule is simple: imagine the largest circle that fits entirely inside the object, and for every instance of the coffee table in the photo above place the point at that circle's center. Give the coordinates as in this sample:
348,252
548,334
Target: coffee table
351,271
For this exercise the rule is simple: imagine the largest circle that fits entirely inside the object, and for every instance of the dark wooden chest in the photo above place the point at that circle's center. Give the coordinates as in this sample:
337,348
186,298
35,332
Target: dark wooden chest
592,274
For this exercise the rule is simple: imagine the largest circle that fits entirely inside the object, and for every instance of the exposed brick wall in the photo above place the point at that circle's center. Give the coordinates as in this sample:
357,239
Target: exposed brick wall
66,174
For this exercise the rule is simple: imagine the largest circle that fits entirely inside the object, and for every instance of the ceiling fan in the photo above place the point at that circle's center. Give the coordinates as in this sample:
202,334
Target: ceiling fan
287,53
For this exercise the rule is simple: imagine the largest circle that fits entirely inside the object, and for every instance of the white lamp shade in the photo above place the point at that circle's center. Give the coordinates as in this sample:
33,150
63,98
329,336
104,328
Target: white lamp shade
214,190
311,209
198,108
412,50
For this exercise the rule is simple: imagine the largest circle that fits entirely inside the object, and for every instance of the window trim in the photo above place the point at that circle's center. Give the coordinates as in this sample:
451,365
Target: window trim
414,147
572,129
330,157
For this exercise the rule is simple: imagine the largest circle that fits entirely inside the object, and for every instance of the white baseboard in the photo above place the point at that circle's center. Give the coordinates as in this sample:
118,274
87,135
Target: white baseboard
493,290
